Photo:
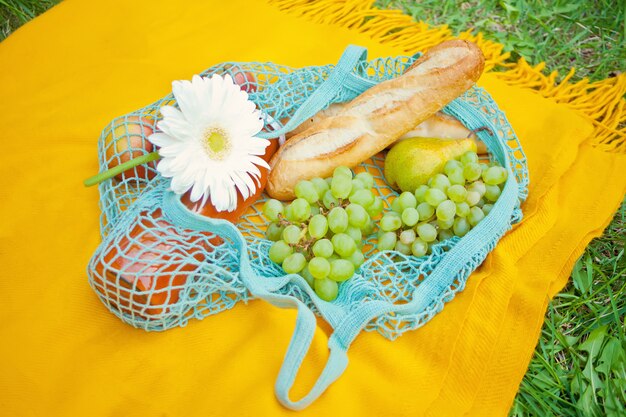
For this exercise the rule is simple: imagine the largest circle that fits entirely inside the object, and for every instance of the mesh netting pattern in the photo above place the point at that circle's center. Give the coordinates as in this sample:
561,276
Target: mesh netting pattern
155,274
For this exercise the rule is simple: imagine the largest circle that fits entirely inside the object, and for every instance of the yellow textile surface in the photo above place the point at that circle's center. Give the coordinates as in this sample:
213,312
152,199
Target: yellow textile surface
66,74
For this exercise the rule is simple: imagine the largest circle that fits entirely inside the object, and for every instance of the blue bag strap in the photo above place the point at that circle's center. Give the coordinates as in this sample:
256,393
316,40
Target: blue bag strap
339,77
306,324
298,348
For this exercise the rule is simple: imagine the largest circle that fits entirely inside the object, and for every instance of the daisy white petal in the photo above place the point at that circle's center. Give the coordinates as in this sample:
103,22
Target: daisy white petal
208,145
162,139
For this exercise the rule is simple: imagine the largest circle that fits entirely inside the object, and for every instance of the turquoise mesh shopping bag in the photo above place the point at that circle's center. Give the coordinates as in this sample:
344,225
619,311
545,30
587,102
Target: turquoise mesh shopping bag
161,264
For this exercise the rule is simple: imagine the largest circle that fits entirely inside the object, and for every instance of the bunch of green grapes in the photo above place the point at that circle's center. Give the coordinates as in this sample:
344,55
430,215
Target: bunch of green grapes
319,235
449,205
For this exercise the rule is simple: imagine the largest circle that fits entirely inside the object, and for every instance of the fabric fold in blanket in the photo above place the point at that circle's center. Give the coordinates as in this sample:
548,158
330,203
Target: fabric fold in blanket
69,72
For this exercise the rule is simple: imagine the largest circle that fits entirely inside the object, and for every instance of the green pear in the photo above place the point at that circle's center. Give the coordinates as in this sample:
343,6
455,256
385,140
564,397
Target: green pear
411,162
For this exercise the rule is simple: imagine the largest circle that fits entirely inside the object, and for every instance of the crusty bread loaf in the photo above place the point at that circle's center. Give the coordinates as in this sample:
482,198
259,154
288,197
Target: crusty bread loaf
376,118
439,125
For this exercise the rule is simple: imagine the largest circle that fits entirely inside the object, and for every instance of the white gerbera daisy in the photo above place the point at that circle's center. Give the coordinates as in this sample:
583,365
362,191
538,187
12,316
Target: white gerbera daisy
209,145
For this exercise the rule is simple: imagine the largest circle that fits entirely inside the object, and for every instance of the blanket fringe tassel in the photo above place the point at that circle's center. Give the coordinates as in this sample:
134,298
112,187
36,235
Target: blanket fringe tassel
601,102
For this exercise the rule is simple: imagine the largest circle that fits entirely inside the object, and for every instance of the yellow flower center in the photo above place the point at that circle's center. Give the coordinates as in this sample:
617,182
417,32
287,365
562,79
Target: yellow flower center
217,143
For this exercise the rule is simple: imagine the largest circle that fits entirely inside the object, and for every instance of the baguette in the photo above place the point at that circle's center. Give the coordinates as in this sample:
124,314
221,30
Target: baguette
376,118
440,125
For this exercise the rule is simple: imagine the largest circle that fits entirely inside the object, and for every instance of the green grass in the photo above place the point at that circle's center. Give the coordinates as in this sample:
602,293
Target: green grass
579,366
585,34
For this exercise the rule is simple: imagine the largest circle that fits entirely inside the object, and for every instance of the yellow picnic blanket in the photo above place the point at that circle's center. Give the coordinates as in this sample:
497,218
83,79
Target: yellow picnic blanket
65,75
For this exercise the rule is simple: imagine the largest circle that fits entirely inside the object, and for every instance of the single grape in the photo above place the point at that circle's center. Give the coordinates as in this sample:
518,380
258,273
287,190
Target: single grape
387,241
446,210
407,236
472,198
434,197
491,175
272,208
410,216
469,157
376,208
323,248
363,198
341,270
321,186
301,209
419,247
477,186
279,251
492,193
319,267
439,181
445,224
338,220
494,175
291,234
472,171
366,178
462,209
402,248
357,185
329,200
406,200
396,206
426,232
318,226
357,216
357,258
425,211
306,274
419,193
355,233
326,289
289,214
487,208
274,232
505,173
451,165
457,193
390,222
342,172
344,244
461,226
294,263
475,216
456,176
305,189
369,229
341,186
445,234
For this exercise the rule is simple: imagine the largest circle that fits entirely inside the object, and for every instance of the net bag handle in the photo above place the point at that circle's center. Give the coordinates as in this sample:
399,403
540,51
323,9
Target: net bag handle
340,77
298,348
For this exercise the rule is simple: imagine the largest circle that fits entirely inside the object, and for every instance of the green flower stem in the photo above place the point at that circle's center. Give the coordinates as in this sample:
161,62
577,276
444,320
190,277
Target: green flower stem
110,173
